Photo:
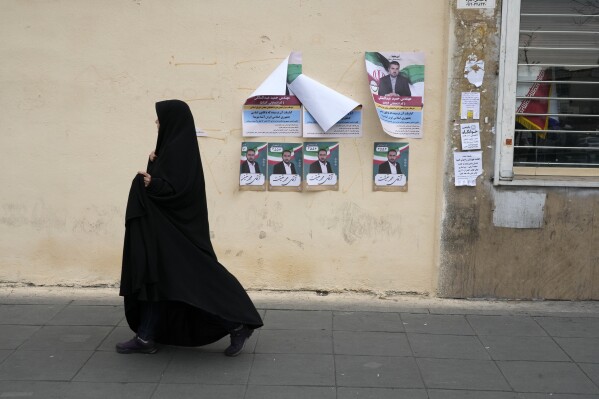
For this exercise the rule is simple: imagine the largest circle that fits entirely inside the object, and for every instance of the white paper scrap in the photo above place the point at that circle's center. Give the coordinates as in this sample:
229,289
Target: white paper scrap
474,70
324,104
476,4
276,83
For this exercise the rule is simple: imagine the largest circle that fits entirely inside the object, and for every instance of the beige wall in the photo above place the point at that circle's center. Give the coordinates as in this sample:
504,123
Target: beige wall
79,82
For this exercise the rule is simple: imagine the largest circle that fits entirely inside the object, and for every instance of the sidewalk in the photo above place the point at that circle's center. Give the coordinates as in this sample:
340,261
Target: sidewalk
59,343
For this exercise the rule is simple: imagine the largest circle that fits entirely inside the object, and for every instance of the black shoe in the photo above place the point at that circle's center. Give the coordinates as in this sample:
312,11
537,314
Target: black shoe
238,338
137,345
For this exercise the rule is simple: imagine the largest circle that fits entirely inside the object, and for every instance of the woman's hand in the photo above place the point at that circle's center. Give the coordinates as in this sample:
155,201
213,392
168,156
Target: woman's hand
153,156
147,178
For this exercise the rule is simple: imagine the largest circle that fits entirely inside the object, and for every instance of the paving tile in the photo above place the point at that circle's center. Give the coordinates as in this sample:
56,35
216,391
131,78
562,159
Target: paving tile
88,316
74,390
472,311
523,348
555,396
33,389
103,390
550,377
5,353
380,393
114,367
197,367
461,394
586,314
34,300
436,324
583,350
462,374
293,369
505,325
43,365
295,341
371,343
592,371
95,301
367,321
28,314
582,327
298,320
66,338
12,336
377,372
447,346
189,391
289,392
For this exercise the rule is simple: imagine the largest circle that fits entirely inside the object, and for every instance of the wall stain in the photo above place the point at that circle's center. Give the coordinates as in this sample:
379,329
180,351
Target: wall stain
296,242
357,224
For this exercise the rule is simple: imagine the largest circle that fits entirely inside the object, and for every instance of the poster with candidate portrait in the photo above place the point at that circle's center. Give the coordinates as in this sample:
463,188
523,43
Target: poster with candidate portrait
390,166
285,166
252,166
396,83
272,110
321,166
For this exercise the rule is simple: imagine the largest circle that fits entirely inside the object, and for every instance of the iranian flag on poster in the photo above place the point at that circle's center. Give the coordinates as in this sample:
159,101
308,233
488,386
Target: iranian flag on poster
396,82
377,66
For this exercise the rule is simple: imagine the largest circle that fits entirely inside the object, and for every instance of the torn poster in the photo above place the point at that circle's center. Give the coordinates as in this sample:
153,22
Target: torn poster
390,166
200,132
272,110
321,166
253,167
474,70
349,126
285,166
467,167
326,106
397,86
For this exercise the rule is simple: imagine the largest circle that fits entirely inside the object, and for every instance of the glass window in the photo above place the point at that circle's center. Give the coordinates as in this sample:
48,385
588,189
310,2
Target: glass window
556,84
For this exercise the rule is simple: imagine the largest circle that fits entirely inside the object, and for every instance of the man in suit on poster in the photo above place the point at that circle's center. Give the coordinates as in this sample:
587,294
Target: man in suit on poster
322,165
250,165
391,167
285,167
394,84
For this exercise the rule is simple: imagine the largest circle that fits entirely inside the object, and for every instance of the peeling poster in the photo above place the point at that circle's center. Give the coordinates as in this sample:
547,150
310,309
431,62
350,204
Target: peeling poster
474,70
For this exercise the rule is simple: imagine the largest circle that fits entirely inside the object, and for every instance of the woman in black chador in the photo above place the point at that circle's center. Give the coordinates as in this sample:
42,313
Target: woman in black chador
175,290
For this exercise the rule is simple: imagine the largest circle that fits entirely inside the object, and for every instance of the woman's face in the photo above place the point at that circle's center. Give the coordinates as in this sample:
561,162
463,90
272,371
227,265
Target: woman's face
157,125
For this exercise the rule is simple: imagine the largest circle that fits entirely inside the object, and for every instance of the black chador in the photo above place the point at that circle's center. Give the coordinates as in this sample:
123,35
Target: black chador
168,257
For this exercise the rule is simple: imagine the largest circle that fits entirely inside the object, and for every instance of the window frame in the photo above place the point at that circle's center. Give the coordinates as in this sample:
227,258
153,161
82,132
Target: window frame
505,172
